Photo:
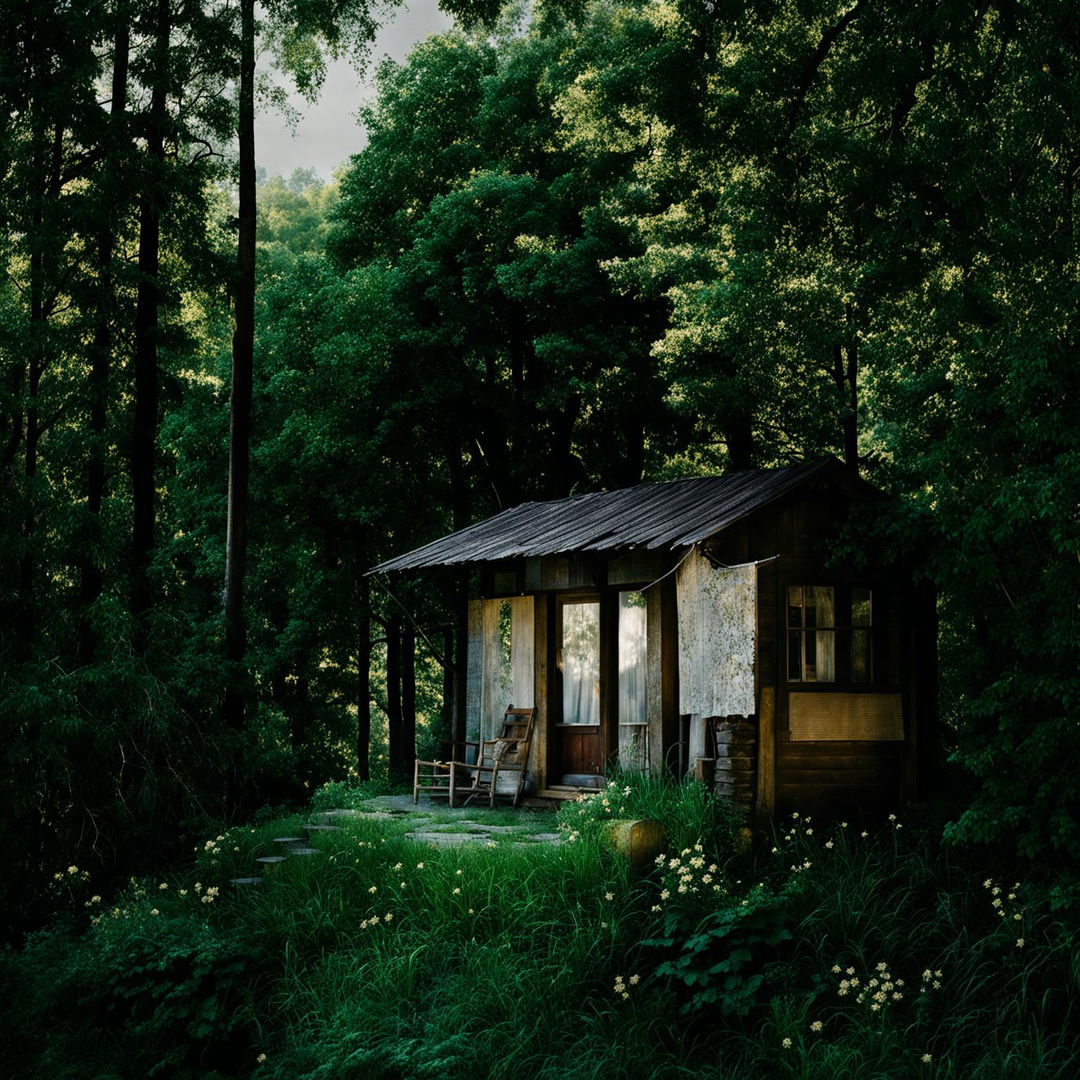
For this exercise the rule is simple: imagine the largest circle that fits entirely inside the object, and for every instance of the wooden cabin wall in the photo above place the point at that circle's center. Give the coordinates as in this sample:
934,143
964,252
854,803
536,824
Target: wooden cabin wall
669,670
654,680
828,776
542,580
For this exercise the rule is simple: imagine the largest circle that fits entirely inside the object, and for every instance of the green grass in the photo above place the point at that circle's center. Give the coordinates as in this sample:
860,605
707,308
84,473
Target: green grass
553,962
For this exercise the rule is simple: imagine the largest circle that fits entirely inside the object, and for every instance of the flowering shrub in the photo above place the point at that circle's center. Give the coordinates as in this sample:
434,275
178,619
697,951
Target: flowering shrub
587,814
714,937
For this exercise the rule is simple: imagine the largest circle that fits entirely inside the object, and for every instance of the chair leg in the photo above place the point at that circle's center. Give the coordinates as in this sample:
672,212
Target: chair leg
416,782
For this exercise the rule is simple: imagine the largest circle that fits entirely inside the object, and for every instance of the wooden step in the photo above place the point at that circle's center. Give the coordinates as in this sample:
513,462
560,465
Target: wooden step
565,791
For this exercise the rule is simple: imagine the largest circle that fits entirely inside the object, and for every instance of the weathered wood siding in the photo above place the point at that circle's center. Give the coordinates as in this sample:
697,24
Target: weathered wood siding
836,777
836,773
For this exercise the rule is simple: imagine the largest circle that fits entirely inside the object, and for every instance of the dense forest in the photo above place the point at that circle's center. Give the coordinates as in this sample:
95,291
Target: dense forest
587,245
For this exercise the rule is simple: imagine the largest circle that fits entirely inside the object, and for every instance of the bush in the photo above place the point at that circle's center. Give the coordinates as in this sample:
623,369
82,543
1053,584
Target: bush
172,992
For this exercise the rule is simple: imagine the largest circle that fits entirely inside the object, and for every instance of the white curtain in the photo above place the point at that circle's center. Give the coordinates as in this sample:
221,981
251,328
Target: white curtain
822,597
632,644
633,630
581,663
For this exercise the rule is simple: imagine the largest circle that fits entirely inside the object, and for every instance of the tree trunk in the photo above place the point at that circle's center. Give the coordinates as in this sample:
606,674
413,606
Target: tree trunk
408,698
91,574
363,690
393,697
299,712
460,501
47,165
243,352
739,437
447,717
147,302
461,655
851,416
846,378
26,610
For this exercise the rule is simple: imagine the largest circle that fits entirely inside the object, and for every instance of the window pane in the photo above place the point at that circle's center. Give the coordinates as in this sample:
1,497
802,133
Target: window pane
795,605
794,655
581,663
824,605
825,649
632,644
860,607
633,639
861,670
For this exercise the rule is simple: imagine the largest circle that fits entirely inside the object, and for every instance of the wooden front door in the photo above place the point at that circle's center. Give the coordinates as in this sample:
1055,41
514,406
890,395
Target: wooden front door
577,745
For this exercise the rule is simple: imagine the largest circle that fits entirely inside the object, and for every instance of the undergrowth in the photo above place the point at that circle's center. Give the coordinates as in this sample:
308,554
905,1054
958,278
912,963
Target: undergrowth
826,951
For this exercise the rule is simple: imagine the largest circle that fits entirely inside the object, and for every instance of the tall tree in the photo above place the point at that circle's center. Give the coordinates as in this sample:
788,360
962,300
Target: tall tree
301,30
115,157
152,198
243,349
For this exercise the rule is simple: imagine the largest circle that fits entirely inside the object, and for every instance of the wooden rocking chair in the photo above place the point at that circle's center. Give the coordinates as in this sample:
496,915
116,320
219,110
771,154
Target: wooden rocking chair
496,771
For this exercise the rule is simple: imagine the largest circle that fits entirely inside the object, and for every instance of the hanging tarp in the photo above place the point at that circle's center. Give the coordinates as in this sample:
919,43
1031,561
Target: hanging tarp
504,646
717,622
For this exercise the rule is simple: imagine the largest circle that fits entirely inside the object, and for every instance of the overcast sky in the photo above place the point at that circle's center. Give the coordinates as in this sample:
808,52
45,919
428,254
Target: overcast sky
329,131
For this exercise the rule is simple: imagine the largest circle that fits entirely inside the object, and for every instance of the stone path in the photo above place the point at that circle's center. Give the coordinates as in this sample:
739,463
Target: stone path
428,826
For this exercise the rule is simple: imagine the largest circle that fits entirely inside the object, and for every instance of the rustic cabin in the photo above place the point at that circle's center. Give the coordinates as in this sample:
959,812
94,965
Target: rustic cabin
702,627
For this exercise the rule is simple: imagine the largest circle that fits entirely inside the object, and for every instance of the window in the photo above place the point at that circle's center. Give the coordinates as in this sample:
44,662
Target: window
829,634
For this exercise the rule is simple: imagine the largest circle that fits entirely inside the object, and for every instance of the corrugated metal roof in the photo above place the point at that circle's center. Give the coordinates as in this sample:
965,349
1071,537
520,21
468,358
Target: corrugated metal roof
672,514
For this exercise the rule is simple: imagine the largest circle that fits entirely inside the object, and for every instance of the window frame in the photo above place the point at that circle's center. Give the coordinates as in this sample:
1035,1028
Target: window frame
844,631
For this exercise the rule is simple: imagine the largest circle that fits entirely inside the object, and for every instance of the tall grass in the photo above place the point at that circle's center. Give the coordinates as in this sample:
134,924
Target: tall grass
385,958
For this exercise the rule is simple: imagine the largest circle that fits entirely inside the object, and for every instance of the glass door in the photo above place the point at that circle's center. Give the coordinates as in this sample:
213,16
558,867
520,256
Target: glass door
578,750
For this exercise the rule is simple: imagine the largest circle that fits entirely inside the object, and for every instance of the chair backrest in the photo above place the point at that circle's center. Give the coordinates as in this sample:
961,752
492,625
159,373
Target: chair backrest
511,748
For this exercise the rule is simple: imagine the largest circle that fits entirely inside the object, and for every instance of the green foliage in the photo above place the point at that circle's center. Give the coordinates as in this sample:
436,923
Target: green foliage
345,795
720,960
621,240
169,989
686,810
830,952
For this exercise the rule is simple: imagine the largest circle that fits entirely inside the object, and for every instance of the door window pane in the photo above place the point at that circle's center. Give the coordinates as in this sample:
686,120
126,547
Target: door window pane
633,639
581,663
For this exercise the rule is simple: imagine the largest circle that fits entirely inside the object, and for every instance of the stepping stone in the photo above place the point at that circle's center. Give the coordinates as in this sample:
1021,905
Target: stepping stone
303,851
321,828
288,839
442,839
247,880
269,859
